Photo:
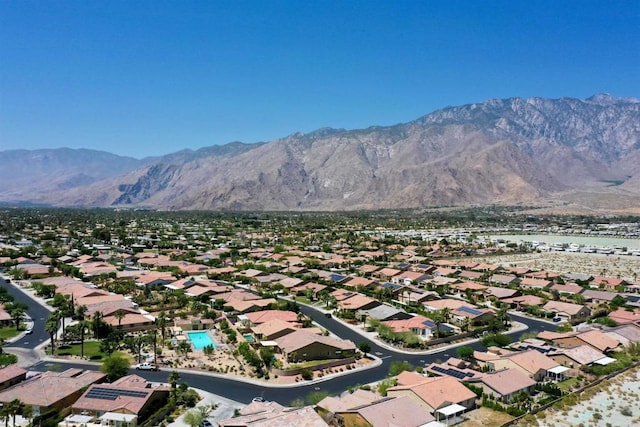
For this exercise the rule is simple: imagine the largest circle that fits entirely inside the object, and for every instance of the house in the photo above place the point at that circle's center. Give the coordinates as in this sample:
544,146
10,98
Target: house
386,274
358,302
594,338
249,306
503,279
607,283
594,297
464,286
383,312
504,385
474,315
448,303
567,289
420,325
290,282
500,293
153,280
407,278
302,345
535,365
626,334
567,310
533,283
440,396
367,269
392,290
131,399
359,283
343,403
259,317
272,414
576,357
33,270
11,375
302,289
130,322
273,328
416,296
398,411
624,317
461,374
470,275
530,362
523,301
5,318
52,390
193,323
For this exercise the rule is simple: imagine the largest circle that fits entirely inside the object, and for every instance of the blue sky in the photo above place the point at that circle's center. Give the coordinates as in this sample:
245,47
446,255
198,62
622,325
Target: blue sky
145,78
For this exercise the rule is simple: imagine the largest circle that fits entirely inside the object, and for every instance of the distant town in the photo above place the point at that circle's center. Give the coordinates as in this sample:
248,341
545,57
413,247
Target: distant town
474,317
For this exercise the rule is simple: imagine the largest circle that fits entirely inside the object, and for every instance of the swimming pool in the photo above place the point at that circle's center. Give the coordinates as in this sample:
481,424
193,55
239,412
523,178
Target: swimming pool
200,339
248,338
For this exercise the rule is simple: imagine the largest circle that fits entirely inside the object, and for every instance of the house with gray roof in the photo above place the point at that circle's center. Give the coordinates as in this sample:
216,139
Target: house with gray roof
384,312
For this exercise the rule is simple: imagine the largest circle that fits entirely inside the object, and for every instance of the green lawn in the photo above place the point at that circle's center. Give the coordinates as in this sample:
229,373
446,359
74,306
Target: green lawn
567,384
310,364
91,350
10,332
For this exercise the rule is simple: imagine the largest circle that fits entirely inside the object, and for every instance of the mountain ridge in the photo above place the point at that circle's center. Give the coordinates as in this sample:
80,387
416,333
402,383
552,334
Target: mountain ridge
507,151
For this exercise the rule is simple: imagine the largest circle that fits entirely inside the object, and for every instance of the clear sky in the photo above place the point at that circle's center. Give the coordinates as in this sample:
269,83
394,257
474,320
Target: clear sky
152,77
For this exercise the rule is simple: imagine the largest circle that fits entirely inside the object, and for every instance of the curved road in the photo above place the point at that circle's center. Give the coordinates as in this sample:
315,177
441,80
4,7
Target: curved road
38,314
243,392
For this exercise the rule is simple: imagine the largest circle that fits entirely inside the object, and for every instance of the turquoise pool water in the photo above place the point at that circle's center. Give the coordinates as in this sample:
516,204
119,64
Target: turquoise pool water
248,338
200,339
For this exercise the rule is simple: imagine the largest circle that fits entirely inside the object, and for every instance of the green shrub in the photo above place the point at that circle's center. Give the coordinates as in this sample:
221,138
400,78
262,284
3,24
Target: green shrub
306,374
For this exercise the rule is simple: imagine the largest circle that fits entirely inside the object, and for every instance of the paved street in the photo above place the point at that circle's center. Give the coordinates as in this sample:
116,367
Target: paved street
36,312
243,390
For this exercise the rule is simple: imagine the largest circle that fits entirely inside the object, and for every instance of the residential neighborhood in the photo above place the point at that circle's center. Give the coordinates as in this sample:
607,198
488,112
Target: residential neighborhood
250,304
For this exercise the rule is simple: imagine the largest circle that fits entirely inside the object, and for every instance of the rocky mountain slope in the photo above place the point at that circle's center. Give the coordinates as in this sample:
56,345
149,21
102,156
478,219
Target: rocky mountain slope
501,151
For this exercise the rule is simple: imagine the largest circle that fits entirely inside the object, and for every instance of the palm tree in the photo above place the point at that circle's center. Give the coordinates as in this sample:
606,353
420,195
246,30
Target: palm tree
5,415
81,310
51,326
97,324
174,377
135,345
446,314
83,326
17,314
162,322
119,314
503,316
438,318
14,408
27,413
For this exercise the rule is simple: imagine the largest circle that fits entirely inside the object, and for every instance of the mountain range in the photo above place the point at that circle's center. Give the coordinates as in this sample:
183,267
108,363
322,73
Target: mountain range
515,151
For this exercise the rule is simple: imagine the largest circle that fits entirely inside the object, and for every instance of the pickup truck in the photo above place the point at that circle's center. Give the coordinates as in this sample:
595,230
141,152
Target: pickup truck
146,367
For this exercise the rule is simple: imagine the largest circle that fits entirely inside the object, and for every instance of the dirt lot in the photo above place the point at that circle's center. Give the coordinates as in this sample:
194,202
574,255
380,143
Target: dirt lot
484,417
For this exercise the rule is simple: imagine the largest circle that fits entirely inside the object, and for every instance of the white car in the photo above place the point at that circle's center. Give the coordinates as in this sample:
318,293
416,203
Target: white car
28,331
146,367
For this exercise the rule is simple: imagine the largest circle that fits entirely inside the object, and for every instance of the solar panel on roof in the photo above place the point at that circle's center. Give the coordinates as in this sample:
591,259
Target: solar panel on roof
113,394
470,310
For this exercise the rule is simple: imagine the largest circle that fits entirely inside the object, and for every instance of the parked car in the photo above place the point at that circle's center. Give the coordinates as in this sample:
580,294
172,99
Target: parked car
28,331
258,399
206,423
146,367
